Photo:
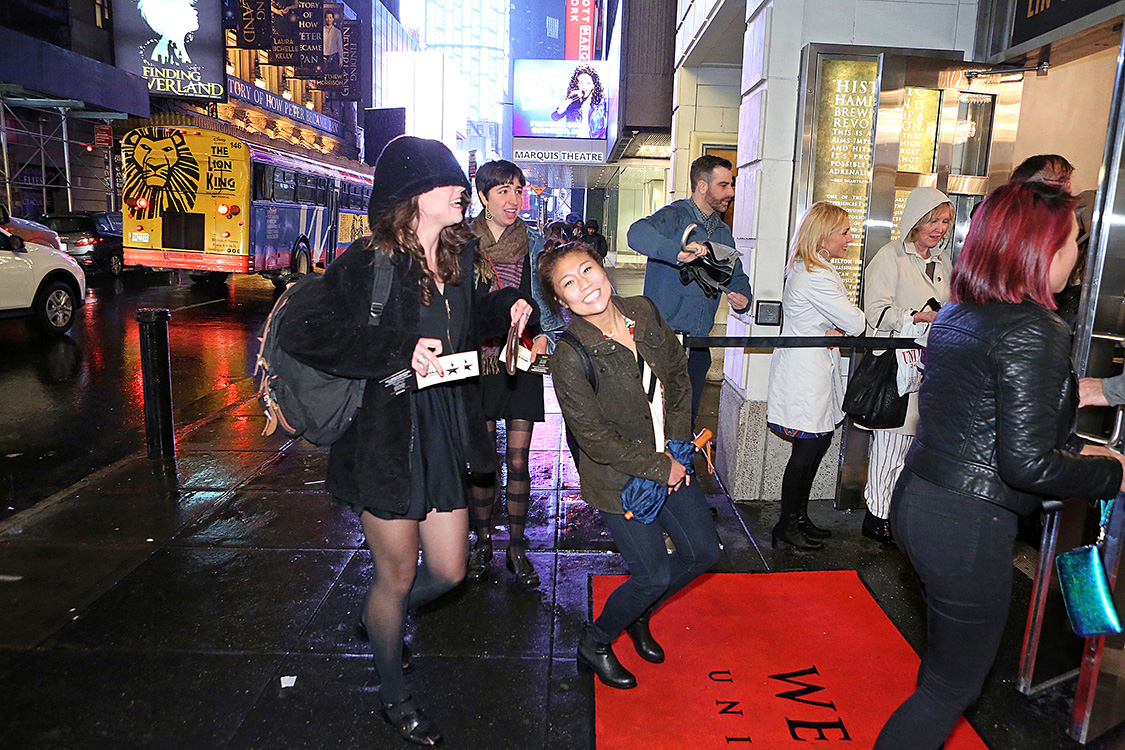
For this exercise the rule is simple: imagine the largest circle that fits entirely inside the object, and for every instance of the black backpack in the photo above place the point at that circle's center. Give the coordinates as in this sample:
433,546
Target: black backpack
302,400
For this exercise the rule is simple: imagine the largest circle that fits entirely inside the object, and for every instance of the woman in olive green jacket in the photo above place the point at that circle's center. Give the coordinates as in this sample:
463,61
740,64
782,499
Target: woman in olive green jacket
636,397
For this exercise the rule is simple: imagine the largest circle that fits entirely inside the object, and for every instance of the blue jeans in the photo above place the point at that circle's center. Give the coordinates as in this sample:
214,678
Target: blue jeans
654,575
961,548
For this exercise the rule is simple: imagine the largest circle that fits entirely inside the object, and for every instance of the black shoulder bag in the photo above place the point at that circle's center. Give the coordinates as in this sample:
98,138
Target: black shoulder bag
872,399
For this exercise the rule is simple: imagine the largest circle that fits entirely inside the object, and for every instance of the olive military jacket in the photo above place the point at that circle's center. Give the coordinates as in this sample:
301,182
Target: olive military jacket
613,425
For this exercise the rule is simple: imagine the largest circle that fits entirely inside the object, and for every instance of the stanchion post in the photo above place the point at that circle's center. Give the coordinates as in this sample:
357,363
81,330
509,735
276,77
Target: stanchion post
156,373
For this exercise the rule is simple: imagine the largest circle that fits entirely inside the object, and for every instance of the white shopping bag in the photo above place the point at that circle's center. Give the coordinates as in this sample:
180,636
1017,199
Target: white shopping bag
909,378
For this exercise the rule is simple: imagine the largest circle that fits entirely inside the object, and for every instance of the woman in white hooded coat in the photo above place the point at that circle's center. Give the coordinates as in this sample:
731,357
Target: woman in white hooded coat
900,285
805,392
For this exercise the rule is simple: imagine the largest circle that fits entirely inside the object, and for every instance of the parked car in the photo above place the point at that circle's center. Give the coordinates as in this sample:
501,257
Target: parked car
39,283
93,238
30,231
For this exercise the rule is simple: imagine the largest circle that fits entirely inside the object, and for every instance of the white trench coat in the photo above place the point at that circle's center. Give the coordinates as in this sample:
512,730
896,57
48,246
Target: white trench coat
805,390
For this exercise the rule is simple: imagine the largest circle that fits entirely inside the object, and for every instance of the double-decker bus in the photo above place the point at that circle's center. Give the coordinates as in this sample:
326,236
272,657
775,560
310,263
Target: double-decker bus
214,204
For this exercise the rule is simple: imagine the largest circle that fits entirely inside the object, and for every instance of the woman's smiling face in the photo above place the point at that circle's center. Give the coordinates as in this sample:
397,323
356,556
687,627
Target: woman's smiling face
581,284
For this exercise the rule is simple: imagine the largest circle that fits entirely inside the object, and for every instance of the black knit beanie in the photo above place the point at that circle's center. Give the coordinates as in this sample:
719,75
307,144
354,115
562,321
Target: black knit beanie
411,166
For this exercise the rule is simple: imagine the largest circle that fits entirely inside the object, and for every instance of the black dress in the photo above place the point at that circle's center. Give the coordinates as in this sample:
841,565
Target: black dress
505,396
437,456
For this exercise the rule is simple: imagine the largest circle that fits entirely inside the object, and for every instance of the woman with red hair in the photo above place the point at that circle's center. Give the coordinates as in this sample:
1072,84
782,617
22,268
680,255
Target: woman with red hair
997,408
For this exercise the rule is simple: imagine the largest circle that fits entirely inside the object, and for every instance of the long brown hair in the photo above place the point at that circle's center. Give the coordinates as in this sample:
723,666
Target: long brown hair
394,230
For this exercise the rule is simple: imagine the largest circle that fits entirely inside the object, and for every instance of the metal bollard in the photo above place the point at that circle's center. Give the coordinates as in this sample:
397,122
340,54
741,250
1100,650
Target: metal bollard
156,374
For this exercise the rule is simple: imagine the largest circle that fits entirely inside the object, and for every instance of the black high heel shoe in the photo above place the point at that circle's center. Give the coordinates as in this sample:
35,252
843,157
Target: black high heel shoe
480,557
407,654
646,645
519,564
810,529
600,658
790,535
412,725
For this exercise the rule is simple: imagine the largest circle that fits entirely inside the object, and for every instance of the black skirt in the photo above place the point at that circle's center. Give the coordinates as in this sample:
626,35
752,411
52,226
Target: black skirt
518,396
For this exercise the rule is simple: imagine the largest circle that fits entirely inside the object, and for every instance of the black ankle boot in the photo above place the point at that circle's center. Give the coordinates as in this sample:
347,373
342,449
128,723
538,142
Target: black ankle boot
810,529
480,556
519,564
643,641
878,529
600,658
789,533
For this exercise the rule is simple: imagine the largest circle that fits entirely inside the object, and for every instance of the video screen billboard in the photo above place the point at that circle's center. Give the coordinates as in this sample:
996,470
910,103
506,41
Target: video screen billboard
177,45
562,99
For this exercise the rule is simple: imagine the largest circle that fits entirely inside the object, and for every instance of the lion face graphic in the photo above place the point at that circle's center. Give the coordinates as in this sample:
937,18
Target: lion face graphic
160,168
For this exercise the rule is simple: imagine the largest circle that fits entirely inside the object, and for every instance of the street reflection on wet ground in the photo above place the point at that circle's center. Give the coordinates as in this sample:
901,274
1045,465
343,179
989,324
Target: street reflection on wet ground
72,404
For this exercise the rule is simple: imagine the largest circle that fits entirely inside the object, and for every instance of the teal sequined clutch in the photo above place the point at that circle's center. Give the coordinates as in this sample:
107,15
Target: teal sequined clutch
1085,588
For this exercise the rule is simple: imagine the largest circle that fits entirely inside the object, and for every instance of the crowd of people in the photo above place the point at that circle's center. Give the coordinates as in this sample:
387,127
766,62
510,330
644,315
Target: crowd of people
984,440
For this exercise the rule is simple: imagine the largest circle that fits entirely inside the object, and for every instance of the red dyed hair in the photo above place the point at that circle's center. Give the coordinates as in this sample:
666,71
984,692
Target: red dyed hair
1011,242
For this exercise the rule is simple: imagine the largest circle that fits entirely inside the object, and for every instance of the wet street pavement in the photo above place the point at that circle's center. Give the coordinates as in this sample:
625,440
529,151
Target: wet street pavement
72,404
160,606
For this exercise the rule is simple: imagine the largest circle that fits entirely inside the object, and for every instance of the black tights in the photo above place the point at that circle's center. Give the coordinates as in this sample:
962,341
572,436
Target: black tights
400,583
517,491
796,484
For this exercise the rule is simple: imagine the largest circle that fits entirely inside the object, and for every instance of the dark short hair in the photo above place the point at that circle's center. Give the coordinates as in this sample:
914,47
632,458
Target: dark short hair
1011,242
499,172
702,168
553,251
1034,167
592,224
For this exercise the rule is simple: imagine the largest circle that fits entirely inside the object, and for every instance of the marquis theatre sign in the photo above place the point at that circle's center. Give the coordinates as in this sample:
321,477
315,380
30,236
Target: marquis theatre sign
554,156
178,46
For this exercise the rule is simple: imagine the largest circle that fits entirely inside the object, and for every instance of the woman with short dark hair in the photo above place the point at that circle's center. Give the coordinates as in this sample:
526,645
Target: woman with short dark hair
508,248
401,463
997,406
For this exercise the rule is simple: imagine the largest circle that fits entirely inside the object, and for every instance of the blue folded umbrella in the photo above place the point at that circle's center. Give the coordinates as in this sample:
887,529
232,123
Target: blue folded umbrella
643,497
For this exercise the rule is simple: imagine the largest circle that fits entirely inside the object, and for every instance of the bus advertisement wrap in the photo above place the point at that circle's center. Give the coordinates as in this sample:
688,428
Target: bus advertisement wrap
205,201
178,46
561,99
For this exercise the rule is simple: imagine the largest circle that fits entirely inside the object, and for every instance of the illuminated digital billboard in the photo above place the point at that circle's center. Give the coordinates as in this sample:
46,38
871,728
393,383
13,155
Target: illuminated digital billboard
178,46
561,99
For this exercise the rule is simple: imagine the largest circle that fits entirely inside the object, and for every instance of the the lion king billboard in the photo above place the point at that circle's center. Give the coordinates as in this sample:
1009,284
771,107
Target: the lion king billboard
178,46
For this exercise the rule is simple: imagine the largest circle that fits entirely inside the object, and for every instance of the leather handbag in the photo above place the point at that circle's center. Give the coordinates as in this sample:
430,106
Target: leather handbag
872,399
1085,586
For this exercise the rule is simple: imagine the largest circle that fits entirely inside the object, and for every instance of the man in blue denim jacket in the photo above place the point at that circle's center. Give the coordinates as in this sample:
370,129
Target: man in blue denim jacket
687,308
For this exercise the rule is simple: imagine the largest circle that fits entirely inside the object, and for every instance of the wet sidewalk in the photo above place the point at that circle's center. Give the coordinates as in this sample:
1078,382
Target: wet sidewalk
164,609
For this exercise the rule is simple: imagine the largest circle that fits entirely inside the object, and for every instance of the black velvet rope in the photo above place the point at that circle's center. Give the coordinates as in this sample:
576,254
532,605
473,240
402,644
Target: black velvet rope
799,342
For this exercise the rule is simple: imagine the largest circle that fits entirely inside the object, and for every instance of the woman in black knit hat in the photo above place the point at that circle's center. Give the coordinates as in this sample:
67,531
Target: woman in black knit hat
401,464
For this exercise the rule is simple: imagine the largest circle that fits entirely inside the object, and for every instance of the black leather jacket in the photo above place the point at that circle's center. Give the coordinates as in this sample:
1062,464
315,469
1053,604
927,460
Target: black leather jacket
997,409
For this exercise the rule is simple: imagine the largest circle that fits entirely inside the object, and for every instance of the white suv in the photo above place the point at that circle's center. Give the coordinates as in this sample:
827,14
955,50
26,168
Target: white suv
39,283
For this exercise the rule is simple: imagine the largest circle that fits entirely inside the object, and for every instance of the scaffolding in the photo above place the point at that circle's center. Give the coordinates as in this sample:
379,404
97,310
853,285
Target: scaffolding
40,128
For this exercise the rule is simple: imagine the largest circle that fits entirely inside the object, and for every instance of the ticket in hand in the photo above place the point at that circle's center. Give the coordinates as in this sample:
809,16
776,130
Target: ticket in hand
536,364
455,366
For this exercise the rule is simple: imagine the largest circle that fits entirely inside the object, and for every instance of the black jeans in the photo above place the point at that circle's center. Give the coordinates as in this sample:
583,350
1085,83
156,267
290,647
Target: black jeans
961,548
654,575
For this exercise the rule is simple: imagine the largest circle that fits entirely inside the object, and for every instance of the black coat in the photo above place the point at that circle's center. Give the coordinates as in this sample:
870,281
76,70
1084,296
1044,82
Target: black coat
370,464
997,409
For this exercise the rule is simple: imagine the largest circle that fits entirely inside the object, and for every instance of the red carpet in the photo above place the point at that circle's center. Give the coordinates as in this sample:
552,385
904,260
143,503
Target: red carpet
773,660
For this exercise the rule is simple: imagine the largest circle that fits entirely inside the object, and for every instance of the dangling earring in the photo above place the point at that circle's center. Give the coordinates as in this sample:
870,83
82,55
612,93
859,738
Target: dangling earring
488,214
